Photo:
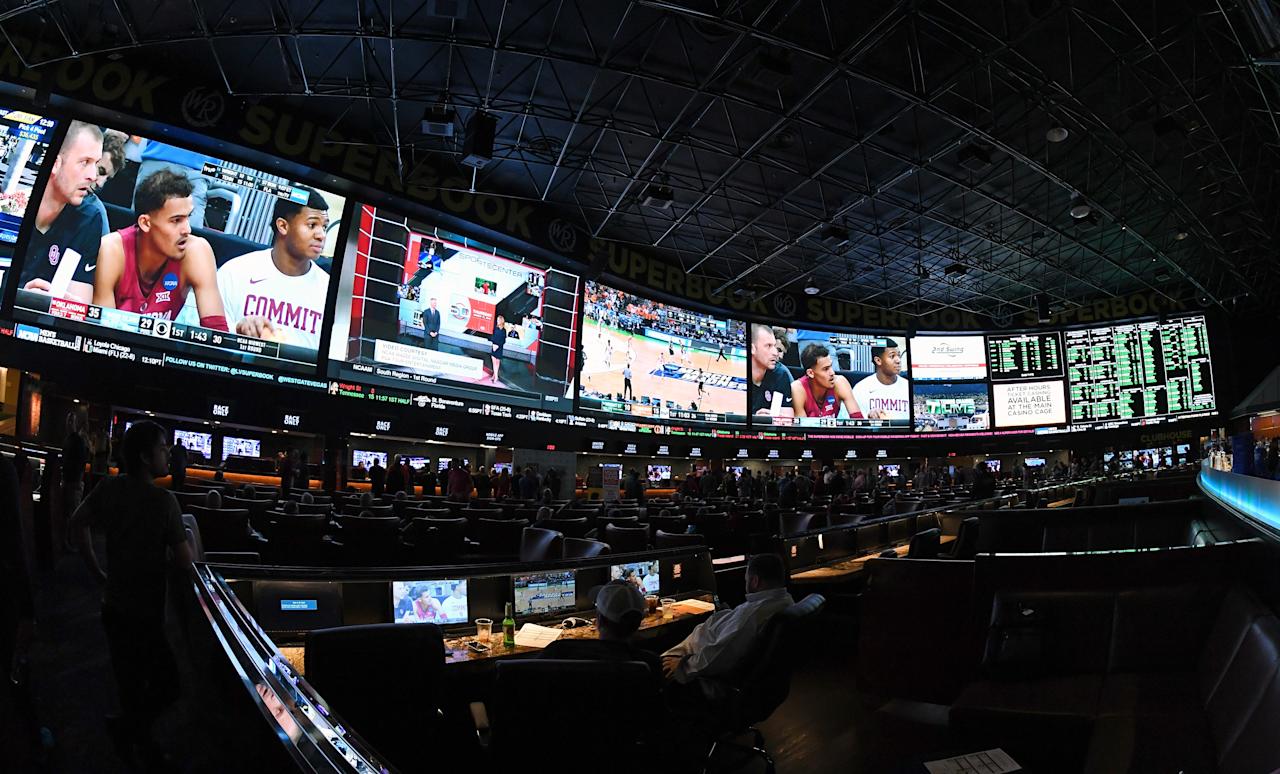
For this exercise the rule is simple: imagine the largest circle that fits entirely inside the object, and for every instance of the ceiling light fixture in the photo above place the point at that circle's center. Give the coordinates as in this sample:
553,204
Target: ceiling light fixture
1180,234
812,287
1080,210
1057,134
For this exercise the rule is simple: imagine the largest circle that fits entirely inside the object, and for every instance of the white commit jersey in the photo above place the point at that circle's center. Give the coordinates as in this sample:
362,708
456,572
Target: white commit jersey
252,286
893,401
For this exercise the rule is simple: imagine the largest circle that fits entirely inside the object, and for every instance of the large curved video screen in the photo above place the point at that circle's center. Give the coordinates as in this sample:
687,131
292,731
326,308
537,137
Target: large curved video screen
457,323
642,359
183,258
829,380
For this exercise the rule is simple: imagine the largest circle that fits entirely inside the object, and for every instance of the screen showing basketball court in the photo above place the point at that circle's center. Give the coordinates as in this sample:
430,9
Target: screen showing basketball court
647,360
423,308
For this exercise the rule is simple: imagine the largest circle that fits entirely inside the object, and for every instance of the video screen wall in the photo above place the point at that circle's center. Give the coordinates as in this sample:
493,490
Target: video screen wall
185,258
645,359
822,379
152,252
24,143
423,309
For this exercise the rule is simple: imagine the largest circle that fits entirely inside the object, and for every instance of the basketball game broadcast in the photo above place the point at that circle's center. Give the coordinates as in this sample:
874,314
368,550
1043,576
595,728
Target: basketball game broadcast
821,379
196,254
646,359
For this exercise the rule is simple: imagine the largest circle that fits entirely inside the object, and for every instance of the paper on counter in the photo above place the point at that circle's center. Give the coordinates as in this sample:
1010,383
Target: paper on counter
534,636
995,761
695,606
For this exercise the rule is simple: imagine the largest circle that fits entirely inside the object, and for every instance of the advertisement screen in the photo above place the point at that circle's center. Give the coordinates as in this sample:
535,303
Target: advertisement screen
24,143
196,443
890,470
644,359
429,601
819,379
948,358
190,260
424,309
241,447
1025,404
951,407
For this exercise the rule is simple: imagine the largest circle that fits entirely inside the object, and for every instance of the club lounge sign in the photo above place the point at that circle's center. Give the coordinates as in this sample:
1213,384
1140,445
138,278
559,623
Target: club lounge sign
262,127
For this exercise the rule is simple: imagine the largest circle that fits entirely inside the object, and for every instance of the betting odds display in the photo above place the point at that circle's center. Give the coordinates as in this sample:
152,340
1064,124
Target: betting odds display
1125,374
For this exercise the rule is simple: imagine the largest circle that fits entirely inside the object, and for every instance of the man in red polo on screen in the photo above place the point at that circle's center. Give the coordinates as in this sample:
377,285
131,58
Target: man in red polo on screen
150,267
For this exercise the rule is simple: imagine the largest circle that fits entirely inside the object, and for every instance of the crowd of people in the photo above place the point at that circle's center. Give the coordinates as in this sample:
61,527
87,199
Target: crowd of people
608,306
459,482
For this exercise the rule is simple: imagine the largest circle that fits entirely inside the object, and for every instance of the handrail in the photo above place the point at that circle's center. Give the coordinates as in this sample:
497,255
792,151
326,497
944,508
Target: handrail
309,735
1255,500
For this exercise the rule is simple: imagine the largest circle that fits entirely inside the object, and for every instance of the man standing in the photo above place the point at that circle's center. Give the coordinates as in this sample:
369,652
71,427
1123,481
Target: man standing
63,251
279,293
75,454
177,466
884,394
627,392
431,325
145,540
377,478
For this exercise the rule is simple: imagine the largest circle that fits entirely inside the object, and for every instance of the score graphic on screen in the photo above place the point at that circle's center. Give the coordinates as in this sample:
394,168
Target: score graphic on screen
1140,371
198,255
1026,404
647,359
421,307
819,379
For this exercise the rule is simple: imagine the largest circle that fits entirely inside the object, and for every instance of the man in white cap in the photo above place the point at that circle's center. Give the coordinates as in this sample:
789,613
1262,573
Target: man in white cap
619,610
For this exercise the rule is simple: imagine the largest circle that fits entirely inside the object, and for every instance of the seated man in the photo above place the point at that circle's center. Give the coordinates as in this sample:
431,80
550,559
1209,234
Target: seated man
718,645
620,608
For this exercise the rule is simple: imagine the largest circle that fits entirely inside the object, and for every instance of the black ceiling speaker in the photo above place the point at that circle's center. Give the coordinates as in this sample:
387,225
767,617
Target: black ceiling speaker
1042,307
477,145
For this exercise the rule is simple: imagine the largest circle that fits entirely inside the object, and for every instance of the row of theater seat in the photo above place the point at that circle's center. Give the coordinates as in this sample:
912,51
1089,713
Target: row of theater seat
1180,678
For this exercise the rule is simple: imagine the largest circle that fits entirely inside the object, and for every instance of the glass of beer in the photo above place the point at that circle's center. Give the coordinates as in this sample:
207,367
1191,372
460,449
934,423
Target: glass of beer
484,628
668,608
651,603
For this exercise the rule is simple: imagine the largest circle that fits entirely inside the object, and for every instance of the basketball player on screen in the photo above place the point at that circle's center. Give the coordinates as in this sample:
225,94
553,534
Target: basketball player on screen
770,387
884,394
150,267
279,293
821,391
